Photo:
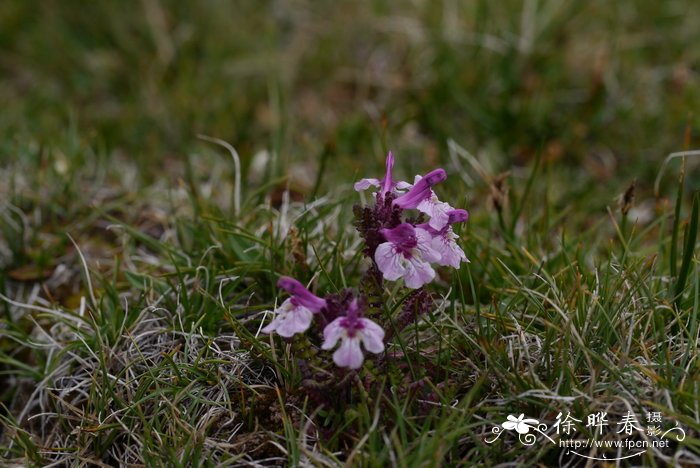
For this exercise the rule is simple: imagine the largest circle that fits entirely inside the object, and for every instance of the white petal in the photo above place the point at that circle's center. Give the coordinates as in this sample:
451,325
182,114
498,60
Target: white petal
451,253
332,333
425,271
401,186
418,273
349,354
272,326
279,315
425,246
295,321
437,211
364,184
372,336
411,278
389,261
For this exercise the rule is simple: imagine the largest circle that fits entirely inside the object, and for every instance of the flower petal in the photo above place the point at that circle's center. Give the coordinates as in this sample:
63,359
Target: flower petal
332,333
458,216
400,234
295,321
349,354
450,252
301,295
364,184
272,326
387,182
278,316
389,261
425,246
437,210
420,190
425,271
372,336
418,273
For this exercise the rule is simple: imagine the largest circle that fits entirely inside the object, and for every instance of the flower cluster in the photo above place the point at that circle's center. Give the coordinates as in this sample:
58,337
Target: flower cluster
409,249
399,249
296,313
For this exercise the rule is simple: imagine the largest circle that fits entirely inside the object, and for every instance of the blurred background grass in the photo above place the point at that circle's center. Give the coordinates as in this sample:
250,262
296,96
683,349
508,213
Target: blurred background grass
607,87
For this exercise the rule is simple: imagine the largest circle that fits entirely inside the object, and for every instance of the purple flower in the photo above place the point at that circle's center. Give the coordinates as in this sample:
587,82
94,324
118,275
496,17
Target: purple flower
444,240
432,206
296,313
352,330
421,190
407,254
387,184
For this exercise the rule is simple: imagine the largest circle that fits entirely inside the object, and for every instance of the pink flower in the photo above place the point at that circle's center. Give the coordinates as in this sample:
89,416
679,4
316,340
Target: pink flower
296,313
421,190
444,240
407,254
352,330
436,209
387,184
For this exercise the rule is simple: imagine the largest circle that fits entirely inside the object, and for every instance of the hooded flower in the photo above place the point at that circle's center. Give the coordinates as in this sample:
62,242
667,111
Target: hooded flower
295,314
444,240
407,254
421,190
431,205
352,330
387,184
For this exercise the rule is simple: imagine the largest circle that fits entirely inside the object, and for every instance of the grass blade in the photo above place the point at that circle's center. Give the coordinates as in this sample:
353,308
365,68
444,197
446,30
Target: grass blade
691,232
